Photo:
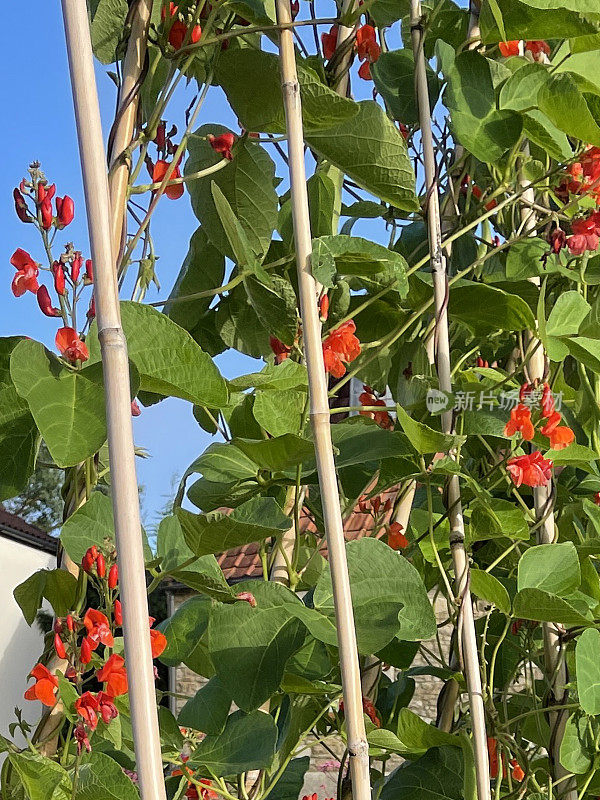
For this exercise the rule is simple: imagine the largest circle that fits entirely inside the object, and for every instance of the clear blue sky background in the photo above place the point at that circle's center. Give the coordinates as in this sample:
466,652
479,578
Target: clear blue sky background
39,125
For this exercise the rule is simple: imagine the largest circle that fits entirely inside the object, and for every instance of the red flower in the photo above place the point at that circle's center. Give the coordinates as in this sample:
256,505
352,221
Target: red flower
70,345
86,706
44,193
532,469
368,50
81,738
46,212
492,746
118,613
369,710
547,404
509,48
396,539
517,773
585,236
21,207
65,211
85,655
340,346
114,675
45,303
222,144
89,271
113,576
59,646
160,169
324,308
97,628
382,418
329,42
280,349
44,688
89,559
537,48
178,30
158,642
520,420
27,271
106,707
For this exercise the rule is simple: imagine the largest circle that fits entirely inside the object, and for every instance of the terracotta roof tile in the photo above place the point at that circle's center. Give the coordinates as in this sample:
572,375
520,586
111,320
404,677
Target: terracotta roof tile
13,527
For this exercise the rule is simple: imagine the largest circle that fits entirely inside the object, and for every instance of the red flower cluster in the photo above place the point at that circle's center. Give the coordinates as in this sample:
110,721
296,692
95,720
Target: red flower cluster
476,192
532,469
329,42
517,773
376,506
222,144
113,674
340,348
367,49
89,706
178,29
369,709
369,398
583,176
537,48
165,167
586,234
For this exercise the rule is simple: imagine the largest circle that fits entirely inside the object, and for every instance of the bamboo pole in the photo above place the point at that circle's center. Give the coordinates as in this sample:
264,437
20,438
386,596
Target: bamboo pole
319,414
554,657
466,623
119,163
118,406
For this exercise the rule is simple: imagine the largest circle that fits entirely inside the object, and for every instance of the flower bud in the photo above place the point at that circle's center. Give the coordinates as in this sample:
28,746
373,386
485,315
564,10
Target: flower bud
45,303
113,577
76,265
59,646
91,312
118,613
21,207
86,651
101,565
65,211
161,135
70,624
46,212
89,272
324,308
59,277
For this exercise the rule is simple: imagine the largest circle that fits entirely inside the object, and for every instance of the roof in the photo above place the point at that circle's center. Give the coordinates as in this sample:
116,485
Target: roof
16,529
242,563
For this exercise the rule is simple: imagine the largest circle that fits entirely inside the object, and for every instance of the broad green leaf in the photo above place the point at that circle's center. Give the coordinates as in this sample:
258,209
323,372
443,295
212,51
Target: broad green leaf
107,24
588,671
354,256
287,375
563,102
522,21
524,259
486,132
247,742
520,91
485,586
277,454
208,709
276,307
236,235
68,695
102,777
290,784
577,745
67,405
203,269
280,412
359,440
216,532
246,183
250,648
372,151
321,201
92,524
438,775
504,311
585,350
223,462
388,596
539,605
567,314
42,778
425,439
417,736
551,567
168,360
252,83
394,77
30,593
538,128
184,629
492,519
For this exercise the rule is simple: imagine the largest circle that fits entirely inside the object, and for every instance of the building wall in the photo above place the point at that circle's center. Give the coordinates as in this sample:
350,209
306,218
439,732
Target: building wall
21,645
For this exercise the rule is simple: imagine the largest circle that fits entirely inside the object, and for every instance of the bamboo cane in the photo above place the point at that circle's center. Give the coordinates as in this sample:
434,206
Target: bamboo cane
554,658
133,65
118,411
467,637
319,414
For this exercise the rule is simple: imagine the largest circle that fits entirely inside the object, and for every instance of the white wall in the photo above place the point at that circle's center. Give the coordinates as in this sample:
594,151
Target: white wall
20,645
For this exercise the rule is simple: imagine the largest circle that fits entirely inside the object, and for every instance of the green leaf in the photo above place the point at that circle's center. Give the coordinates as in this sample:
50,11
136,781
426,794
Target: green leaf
417,736
238,241
42,778
577,745
394,78
521,21
203,269
287,375
486,132
100,776
321,201
520,91
504,311
68,695
246,183
290,784
168,360
30,593
107,25
372,152
563,102
568,312
67,405
524,259
588,671
538,128
276,307
551,567
251,81
488,588
497,518
277,454
223,462
280,412
438,775
541,606
250,648
253,521
585,350
248,742
92,524
208,709
183,631
355,256
425,439
388,596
